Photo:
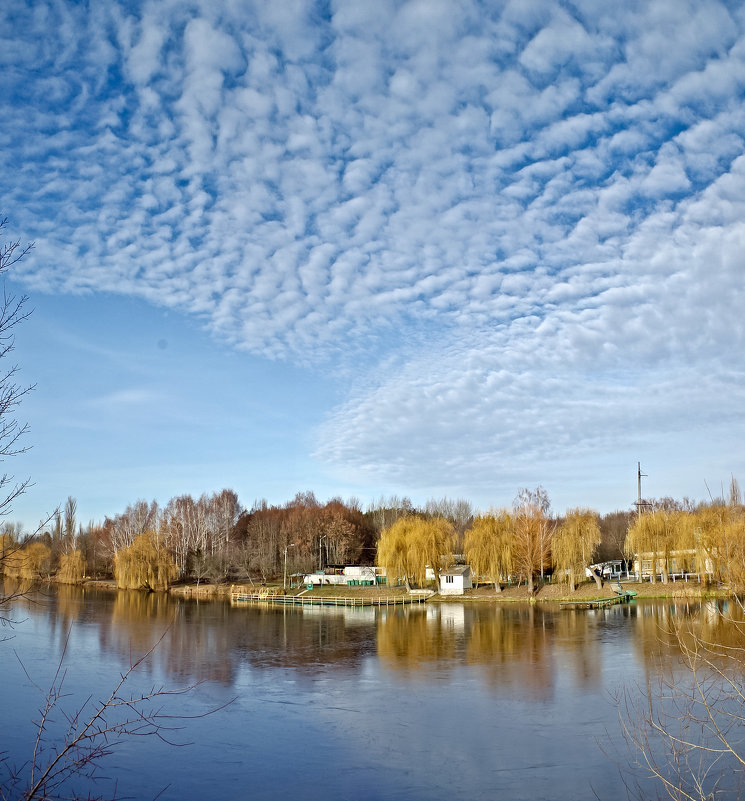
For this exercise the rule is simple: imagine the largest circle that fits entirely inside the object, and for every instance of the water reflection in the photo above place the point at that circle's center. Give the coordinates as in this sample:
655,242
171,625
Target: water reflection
410,638
518,645
665,629
491,691
532,648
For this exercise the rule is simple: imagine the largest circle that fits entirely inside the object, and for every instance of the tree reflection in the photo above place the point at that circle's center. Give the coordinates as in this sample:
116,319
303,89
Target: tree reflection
657,627
512,647
509,645
528,647
307,640
410,638
578,637
684,725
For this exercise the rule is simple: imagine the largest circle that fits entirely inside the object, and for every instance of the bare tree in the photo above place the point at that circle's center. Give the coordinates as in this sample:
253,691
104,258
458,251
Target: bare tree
136,519
12,312
226,509
735,496
613,529
71,507
384,512
92,732
685,727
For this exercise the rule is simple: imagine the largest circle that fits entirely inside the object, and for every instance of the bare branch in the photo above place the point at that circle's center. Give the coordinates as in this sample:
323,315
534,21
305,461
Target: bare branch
685,728
93,731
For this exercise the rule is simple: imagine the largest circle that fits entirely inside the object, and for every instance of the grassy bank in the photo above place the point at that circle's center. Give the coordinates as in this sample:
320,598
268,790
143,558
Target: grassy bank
590,591
547,593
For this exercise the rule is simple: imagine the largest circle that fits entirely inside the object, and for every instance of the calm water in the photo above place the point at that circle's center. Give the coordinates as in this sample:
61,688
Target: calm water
443,701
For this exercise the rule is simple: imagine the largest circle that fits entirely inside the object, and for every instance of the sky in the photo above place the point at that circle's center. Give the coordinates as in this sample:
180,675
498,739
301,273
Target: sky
427,248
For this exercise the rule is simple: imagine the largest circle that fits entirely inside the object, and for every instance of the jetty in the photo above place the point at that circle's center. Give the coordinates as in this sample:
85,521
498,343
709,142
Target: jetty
269,595
599,603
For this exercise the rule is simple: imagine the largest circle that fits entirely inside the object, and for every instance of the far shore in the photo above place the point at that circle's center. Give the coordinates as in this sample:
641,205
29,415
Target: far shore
547,593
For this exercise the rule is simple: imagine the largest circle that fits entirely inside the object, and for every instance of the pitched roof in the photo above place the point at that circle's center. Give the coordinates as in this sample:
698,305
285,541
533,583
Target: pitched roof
455,570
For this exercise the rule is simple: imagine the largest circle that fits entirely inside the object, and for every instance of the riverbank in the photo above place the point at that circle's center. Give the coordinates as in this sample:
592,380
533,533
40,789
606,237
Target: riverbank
549,593
590,591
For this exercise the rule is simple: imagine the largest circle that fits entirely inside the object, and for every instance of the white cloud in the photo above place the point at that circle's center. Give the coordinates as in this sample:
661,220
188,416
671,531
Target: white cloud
116,402
529,190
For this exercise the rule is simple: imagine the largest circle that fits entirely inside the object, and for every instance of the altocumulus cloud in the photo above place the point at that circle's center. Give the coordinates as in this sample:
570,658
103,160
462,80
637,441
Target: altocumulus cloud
518,226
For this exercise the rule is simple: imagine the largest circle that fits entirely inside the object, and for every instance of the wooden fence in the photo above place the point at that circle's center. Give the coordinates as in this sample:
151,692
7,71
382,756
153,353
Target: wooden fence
272,596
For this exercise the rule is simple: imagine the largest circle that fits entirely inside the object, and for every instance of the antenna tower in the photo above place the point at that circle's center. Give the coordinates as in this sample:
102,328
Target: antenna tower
639,475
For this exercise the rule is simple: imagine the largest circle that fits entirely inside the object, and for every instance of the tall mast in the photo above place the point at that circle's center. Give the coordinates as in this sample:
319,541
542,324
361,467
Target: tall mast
639,475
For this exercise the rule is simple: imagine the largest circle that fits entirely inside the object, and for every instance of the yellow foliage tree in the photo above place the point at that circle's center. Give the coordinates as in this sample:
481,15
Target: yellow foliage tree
708,526
413,543
488,546
533,531
72,568
8,546
393,550
574,543
145,564
719,537
734,552
33,561
656,535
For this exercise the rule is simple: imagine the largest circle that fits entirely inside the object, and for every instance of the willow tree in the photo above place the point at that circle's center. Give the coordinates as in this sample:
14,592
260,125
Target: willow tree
431,547
8,546
72,568
719,533
488,546
708,525
32,561
641,543
734,553
145,564
412,544
574,543
533,530
654,534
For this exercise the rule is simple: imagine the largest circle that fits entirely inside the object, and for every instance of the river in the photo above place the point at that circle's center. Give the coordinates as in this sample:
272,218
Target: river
444,701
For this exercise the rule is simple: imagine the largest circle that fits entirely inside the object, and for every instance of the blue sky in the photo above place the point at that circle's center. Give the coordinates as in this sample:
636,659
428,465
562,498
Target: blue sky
425,248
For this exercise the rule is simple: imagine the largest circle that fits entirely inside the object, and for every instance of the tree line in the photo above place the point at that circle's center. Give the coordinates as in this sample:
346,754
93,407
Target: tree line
523,543
526,542
707,539
215,538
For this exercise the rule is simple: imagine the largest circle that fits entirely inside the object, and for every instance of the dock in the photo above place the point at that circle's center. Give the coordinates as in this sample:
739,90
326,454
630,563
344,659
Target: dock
268,596
598,603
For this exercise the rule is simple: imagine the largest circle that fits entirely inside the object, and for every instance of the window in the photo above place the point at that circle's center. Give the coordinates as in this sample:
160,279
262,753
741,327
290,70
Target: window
449,579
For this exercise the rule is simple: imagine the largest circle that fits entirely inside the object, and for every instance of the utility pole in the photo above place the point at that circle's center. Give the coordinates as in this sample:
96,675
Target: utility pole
639,476
320,552
284,581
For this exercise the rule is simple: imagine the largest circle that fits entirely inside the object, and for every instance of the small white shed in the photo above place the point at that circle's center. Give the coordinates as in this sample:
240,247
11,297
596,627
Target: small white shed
454,580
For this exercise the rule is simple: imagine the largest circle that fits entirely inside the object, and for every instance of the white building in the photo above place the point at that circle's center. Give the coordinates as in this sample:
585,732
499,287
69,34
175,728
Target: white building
681,563
455,580
353,575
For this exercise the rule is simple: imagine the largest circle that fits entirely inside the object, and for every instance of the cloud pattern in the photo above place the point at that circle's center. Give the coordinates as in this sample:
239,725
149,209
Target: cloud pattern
517,227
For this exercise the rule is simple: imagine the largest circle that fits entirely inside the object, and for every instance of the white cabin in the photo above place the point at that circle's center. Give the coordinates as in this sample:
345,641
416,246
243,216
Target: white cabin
455,580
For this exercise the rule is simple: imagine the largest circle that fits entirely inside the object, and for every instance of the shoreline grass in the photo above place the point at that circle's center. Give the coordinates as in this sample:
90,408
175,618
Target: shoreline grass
548,593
